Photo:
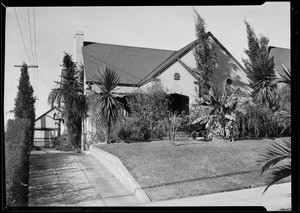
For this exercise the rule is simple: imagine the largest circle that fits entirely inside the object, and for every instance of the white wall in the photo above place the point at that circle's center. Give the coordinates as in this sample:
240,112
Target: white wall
184,86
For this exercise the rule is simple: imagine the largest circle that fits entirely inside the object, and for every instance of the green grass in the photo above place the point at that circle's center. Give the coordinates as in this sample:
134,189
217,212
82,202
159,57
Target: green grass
192,168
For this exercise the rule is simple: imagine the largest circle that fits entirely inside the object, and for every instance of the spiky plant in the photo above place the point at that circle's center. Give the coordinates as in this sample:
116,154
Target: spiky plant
104,103
286,78
263,77
278,153
259,67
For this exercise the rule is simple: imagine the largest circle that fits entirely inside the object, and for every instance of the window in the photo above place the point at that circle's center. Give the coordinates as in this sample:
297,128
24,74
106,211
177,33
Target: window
176,76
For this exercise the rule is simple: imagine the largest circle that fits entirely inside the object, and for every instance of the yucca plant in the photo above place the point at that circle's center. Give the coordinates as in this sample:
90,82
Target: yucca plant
259,67
263,77
104,104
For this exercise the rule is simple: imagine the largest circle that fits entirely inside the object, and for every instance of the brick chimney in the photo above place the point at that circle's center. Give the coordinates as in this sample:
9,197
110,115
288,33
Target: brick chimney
78,47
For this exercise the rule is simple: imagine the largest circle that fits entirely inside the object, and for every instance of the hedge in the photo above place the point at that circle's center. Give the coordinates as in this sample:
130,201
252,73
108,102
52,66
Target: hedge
17,152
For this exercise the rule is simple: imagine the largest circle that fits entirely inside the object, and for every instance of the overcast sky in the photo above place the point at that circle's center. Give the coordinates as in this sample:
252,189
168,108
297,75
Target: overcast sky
168,27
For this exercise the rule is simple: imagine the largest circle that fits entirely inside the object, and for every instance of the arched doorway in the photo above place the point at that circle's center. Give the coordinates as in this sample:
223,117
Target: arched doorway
179,103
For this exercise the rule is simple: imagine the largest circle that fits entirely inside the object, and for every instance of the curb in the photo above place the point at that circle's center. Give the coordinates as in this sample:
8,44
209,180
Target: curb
116,167
275,199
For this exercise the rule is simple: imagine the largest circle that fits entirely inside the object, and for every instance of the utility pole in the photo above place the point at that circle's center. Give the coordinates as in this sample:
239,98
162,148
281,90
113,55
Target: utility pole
32,66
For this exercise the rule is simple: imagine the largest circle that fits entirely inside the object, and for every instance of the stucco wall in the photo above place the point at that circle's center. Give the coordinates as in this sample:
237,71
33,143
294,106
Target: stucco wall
184,86
226,68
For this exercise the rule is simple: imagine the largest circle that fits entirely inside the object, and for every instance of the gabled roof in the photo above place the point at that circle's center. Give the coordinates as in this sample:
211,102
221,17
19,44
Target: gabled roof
168,62
50,110
281,56
132,64
135,65
180,53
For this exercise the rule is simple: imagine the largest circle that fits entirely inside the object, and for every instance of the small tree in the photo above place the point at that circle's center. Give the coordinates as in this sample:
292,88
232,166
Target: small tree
69,94
173,123
104,104
206,58
24,102
259,68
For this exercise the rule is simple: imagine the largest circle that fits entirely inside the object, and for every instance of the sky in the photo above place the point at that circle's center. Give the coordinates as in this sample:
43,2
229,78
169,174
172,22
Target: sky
161,27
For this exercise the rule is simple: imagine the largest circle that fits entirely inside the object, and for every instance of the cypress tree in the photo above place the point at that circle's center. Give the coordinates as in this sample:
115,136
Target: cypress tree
24,102
206,58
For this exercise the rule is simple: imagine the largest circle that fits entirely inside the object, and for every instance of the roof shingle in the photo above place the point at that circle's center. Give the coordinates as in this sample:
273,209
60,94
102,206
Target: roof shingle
132,64
281,56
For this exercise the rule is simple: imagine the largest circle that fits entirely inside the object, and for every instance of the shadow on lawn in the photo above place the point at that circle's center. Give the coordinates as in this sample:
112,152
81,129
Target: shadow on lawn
255,138
184,143
209,141
203,178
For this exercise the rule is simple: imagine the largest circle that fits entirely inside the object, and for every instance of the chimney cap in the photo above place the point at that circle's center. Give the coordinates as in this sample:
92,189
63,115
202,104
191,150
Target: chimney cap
79,33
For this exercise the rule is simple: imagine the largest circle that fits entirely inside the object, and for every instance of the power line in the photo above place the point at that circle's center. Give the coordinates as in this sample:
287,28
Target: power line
30,37
34,35
37,70
45,82
22,35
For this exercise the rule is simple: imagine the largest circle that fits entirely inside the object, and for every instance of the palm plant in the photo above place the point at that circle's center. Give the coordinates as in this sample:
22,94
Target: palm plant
69,94
259,67
279,152
263,77
104,103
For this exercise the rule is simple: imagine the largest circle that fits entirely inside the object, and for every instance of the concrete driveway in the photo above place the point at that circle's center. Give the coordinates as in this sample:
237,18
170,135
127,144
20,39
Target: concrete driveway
74,179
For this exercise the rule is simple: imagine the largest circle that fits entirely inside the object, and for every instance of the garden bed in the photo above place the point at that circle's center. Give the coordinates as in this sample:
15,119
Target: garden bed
192,167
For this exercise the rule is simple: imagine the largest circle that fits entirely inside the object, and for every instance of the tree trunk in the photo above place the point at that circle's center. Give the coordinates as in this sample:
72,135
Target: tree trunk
108,133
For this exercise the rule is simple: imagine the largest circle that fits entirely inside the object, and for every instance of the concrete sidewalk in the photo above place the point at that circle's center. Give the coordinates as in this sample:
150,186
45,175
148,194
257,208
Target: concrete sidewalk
74,179
277,197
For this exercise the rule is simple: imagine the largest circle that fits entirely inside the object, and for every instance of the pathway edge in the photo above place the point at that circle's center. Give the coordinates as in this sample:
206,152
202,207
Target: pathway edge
116,167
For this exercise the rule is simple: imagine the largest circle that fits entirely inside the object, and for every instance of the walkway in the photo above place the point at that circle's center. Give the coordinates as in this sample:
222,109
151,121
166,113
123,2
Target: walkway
277,197
74,179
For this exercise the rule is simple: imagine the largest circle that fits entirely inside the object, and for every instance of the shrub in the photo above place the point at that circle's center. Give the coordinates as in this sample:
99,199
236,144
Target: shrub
17,152
258,121
148,111
63,144
132,130
98,135
194,135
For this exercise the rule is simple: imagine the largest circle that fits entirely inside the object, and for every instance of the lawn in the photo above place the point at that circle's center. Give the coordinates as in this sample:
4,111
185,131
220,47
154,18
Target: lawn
193,167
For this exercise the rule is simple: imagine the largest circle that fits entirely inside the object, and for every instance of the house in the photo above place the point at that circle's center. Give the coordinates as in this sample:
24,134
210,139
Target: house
282,58
48,126
140,67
